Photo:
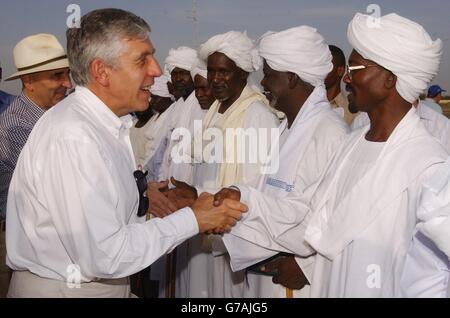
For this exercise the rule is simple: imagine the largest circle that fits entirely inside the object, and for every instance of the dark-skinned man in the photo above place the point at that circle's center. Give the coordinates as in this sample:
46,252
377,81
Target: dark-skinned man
364,210
294,84
193,275
180,62
333,82
229,61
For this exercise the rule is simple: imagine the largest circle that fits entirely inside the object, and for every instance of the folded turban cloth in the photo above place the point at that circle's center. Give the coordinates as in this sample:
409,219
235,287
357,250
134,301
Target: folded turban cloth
399,45
182,57
237,46
300,50
199,69
159,87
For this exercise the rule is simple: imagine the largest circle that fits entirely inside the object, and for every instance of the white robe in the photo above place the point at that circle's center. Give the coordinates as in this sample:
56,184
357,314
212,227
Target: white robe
363,235
427,266
180,115
152,144
437,124
306,150
218,278
73,199
183,116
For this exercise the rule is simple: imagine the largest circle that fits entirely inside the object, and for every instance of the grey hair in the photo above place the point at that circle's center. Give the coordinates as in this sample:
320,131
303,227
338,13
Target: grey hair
100,35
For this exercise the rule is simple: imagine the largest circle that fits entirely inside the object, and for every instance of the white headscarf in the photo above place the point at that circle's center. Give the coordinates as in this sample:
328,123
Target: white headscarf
159,87
183,57
237,46
200,69
399,45
300,50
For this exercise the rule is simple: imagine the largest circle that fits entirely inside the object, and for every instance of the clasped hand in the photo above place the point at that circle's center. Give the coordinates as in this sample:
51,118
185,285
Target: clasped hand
215,214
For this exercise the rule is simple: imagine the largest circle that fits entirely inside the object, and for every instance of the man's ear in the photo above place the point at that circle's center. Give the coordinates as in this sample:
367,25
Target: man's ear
341,71
244,75
99,72
390,80
27,82
293,79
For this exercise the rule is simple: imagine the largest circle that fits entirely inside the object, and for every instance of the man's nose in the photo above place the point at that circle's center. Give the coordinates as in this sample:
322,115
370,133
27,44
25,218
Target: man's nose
154,68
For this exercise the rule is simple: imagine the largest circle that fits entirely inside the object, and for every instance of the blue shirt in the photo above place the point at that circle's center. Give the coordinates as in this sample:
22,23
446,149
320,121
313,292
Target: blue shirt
16,123
5,100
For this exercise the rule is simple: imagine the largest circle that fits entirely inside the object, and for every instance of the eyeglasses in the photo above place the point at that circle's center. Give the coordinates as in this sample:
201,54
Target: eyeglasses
350,69
141,182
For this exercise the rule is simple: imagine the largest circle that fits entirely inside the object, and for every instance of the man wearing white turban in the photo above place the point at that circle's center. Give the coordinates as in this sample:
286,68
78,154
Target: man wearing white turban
180,63
363,216
296,62
181,114
230,58
193,275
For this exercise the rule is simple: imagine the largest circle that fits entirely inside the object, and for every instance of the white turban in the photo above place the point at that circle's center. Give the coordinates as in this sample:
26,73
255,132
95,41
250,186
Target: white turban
399,45
300,50
237,46
159,87
200,69
182,57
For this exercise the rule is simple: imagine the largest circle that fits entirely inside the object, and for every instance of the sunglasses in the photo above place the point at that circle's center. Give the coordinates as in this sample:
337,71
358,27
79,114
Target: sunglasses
141,182
354,68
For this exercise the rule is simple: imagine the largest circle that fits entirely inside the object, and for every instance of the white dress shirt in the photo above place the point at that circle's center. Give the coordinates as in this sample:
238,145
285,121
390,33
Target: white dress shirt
73,198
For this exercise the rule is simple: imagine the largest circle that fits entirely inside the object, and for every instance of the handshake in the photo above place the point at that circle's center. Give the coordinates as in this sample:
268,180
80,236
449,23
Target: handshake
215,214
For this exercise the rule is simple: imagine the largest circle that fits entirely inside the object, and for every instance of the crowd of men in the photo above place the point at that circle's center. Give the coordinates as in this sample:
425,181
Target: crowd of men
209,184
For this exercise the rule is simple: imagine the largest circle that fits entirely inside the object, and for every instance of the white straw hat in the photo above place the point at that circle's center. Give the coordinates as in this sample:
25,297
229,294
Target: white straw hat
38,53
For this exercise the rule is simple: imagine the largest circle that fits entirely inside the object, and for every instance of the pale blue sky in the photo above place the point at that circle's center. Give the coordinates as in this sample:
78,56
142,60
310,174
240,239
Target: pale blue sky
172,25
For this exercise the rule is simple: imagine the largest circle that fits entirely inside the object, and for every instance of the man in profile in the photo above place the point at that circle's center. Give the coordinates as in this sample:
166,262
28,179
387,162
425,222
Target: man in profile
76,204
333,85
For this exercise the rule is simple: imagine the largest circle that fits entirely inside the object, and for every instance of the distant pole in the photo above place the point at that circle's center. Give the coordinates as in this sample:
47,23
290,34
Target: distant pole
194,24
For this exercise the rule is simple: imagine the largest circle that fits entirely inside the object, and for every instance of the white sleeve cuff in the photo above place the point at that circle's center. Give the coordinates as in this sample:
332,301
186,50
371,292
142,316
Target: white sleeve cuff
307,265
185,223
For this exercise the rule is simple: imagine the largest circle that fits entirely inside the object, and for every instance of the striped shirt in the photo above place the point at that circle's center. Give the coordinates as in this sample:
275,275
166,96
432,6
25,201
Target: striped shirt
16,123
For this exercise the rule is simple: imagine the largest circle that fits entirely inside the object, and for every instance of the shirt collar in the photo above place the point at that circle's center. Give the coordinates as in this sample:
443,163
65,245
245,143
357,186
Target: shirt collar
117,126
32,106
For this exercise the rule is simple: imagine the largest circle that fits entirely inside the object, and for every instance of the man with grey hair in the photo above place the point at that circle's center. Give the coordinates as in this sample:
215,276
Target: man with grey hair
74,210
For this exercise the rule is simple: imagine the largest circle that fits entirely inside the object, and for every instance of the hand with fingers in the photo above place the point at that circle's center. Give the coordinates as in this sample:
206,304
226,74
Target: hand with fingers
219,197
286,272
182,195
223,217
159,205
226,193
